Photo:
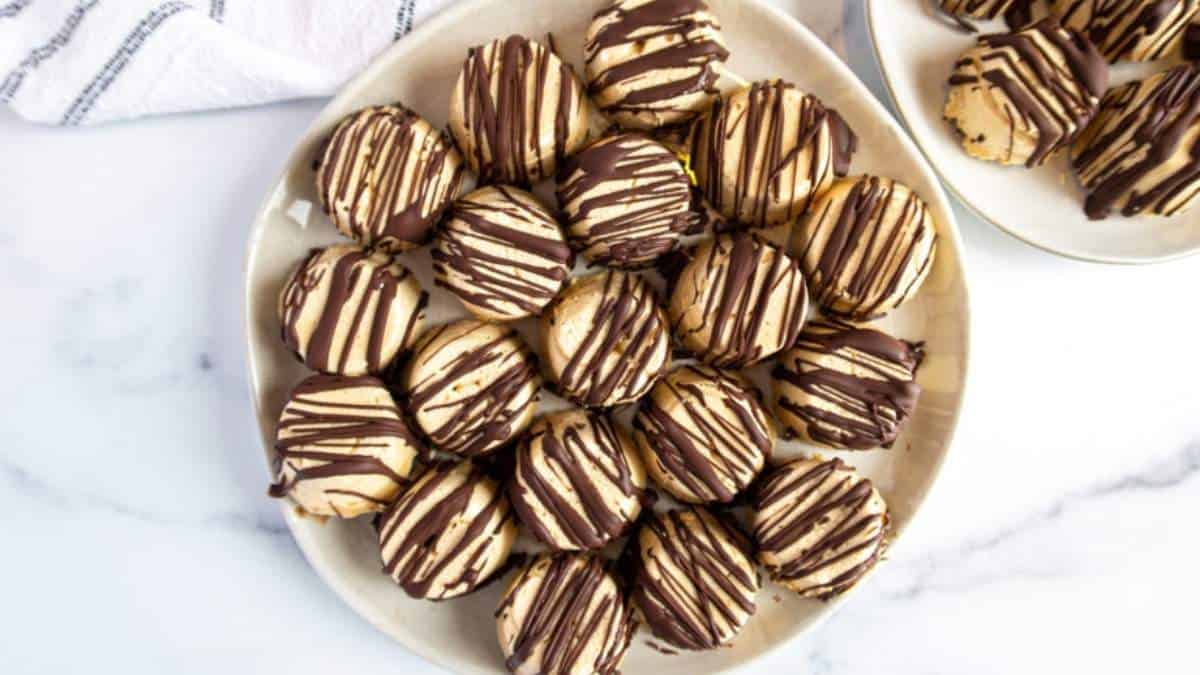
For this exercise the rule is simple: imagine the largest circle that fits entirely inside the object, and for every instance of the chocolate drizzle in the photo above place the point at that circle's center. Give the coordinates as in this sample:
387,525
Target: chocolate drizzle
564,614
349,311
847,387
654,63
385,175
763,153
845,142
356,454
1042,97
509,120
580,471
866,247
502,253
705,434
738,301
472,386
1016,13
624,345
447,533
819,526
1142,153
627,201
695,584
1130,30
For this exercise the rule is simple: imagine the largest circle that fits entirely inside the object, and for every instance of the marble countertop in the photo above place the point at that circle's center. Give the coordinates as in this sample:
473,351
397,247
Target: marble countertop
137,534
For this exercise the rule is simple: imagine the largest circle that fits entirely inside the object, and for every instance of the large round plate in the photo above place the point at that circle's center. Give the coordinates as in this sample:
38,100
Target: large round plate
420,71
1043,206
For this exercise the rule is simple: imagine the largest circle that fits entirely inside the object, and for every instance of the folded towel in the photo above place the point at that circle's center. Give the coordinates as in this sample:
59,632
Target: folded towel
73,62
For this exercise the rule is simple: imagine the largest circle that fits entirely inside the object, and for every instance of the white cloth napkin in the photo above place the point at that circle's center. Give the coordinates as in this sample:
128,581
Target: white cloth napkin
73,62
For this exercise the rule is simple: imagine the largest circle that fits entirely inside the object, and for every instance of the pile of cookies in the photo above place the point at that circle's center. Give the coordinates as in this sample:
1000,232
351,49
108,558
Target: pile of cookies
434,429
1018,98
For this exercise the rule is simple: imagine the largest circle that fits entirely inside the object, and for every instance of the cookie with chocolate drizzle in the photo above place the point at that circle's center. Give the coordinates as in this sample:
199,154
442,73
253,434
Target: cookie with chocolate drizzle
704,434
653,63
502,253
819,526
385,176
350,311
564,614
1017,98
578,482
516,111
844,386
471,386
342,447
448,533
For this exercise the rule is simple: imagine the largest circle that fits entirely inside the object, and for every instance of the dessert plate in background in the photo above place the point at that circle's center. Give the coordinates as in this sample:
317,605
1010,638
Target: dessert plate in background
420,71
916,49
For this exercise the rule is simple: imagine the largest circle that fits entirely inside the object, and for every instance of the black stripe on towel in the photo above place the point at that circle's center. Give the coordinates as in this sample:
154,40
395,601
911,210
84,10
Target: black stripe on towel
404,19
13,80
133,42
216,10
13,8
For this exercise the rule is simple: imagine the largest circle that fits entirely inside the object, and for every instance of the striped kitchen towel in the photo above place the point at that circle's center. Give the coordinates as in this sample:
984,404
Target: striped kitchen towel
73,62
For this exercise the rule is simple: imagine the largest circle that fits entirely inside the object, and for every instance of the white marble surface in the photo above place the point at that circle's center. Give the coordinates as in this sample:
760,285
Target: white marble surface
136,533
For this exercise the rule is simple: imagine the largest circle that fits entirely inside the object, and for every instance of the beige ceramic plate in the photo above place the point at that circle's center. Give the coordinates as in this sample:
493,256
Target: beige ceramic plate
1042,206
420,71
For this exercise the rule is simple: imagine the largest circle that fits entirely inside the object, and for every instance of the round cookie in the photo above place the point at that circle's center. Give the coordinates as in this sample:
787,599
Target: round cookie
1140,153
652,63
762,153
606,339
517,110
502,253
819,526
447,533
695,583
341,447
1129,30
847,387
564,614
578,482
626,199
1017,98
866,247
349,311
704,434
471,386
386,175
738,301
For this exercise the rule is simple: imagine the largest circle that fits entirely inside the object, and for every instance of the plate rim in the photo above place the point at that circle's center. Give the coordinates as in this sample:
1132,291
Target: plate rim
453,14
970,206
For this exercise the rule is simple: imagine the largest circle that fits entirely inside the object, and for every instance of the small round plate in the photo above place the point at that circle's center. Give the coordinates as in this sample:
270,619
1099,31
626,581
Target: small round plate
420,71
1044,206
